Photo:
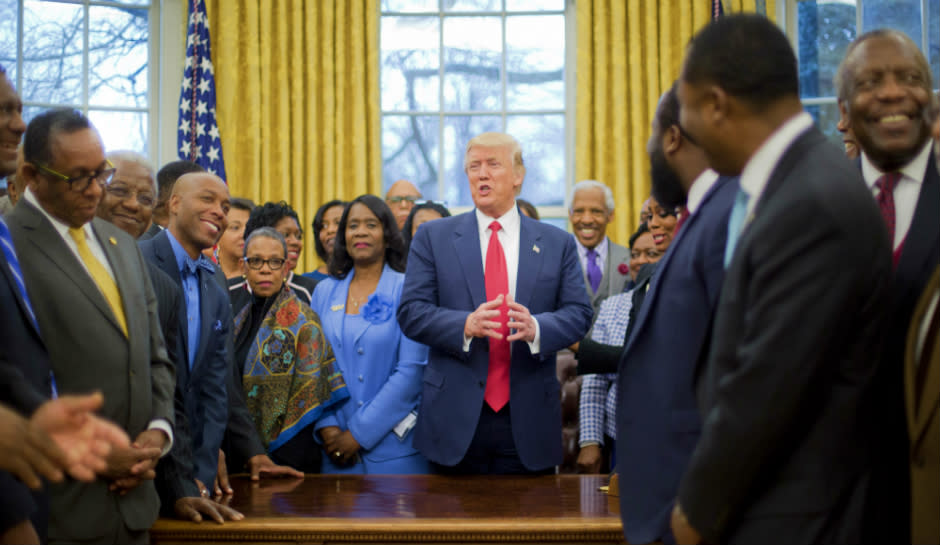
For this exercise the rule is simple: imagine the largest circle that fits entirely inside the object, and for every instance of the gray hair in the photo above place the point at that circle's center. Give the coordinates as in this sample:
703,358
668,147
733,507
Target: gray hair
128,156
267,232
593,184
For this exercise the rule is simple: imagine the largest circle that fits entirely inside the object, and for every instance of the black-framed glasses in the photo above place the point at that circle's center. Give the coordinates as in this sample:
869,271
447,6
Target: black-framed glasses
81,182
398,199
123,192
255,263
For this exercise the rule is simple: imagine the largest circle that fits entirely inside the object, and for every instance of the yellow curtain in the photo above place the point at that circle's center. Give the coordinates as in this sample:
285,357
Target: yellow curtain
297,90
629,53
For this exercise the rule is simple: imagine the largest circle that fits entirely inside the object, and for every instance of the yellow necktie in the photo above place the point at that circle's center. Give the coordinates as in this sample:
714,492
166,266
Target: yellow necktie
100,275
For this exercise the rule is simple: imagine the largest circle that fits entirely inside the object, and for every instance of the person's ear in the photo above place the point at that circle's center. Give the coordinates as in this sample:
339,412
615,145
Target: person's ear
672,140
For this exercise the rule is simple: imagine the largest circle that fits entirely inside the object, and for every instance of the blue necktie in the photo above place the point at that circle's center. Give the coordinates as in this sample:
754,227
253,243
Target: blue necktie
7,242
736,223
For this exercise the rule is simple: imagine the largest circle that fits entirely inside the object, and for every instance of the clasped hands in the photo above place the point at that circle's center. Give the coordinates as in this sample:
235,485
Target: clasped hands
130,465
339,445
482,321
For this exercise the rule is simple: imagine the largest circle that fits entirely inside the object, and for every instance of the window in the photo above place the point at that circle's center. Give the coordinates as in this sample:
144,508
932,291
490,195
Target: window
822,30
90,55
451,69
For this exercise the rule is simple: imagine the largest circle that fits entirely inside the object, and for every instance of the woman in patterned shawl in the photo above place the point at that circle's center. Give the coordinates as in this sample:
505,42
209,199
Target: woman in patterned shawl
290,376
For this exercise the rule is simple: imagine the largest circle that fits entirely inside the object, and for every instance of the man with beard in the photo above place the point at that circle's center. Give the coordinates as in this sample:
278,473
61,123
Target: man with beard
657,420
884,82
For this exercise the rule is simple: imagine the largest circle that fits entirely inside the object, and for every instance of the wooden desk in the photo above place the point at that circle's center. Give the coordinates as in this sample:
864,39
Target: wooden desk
409,509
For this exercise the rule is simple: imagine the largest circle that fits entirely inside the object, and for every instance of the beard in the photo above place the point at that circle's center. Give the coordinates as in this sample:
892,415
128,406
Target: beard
667,188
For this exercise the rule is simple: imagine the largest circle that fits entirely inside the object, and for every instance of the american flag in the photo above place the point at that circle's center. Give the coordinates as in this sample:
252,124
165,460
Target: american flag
198,134
717,9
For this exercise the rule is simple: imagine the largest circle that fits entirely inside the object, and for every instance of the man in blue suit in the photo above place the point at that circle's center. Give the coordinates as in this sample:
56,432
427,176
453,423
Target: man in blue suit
657,420
197,217
491,402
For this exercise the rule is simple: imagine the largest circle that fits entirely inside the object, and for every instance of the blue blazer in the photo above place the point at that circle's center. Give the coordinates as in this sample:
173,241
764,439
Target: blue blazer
658,422
382,369
443,285
203,381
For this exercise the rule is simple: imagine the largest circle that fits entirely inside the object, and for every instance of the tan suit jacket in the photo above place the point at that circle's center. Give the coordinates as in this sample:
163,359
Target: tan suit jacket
923,418
90,352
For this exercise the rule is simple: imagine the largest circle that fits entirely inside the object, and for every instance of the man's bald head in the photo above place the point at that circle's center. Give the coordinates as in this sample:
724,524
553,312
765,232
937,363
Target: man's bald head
198,208
401,198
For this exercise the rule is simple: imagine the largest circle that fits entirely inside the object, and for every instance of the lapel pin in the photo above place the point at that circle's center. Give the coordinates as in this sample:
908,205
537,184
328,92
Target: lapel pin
336,307
113,241
535,248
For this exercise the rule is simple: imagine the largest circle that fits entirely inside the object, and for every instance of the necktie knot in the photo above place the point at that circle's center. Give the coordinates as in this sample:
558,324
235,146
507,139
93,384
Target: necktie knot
78,235
887,182
594,273
495,227
592,255
192,266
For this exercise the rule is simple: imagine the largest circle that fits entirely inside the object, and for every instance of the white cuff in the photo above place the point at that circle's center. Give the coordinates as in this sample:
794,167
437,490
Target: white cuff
164,426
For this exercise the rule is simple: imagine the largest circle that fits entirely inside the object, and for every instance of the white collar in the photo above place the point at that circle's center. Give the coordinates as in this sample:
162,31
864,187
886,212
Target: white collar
760,166
914,170
699,189
508,221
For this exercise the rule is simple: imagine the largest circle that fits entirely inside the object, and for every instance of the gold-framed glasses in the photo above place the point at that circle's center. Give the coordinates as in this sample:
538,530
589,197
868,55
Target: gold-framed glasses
82,181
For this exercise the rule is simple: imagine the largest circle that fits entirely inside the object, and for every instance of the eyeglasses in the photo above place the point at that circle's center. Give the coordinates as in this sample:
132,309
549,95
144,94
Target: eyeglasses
121,192
255,263
82,181
401,198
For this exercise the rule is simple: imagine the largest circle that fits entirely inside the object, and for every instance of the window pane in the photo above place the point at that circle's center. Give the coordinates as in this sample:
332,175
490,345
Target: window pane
411,6
542,138
472,54
410,63
825,31
121,130
473,5
903,15
535,5
29,112
535,62
52,52
933,33
118,56
8,38
458,130
827,117
410,148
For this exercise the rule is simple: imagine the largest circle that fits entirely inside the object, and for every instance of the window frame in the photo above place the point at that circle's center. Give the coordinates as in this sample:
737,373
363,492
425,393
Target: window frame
557,214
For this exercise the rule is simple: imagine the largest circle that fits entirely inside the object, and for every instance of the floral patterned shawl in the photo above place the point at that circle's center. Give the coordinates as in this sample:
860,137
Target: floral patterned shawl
290,376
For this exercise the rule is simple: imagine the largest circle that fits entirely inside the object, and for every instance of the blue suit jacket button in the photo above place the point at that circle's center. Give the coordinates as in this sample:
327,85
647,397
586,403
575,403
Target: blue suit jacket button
360,378
360,350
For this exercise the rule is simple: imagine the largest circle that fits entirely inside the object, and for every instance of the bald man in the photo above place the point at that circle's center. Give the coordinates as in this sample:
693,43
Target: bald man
401,198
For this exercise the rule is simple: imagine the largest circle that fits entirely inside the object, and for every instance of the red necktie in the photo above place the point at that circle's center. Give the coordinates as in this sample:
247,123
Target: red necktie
497,283
885,200
683,214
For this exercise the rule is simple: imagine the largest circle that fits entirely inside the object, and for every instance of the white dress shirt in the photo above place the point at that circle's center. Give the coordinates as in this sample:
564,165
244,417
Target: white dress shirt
905,193
508,237
699,189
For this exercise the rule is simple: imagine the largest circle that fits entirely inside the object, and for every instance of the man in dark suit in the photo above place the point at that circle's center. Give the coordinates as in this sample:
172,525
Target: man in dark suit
491,401
783,456
884,83
128,202
106,337
657,419
198,208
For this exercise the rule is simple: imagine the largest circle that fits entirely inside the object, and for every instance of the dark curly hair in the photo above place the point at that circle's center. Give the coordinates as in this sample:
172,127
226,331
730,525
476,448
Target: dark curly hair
427,205
395,252
268,214
318,226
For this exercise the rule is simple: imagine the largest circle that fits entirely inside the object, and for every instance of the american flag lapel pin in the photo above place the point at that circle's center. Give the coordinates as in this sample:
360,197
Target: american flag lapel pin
535,248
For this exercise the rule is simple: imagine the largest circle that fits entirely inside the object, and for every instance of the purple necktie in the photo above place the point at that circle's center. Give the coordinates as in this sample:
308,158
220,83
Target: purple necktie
594,273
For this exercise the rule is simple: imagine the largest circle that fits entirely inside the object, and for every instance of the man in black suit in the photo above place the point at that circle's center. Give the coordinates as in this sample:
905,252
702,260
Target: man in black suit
785,393
166,178
884,86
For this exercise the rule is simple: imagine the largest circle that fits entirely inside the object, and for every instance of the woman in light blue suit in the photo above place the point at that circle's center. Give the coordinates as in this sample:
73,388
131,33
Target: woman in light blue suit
372,431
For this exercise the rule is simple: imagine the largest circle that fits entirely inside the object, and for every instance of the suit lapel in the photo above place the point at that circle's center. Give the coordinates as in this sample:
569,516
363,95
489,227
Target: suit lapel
925,235
166,262
530,261
920,413
47,241
470,257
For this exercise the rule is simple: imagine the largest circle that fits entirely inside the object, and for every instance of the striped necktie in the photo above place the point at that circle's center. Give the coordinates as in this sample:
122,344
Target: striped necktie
6,241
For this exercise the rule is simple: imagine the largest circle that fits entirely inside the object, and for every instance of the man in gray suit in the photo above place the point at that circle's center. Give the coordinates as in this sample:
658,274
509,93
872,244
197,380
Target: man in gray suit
97,312
603,262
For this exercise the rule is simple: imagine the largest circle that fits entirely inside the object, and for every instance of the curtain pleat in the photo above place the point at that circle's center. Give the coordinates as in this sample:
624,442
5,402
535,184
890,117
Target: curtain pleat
628,54
298,101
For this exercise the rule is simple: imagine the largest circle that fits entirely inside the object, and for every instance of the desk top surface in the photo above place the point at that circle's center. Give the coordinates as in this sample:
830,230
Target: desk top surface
425,496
